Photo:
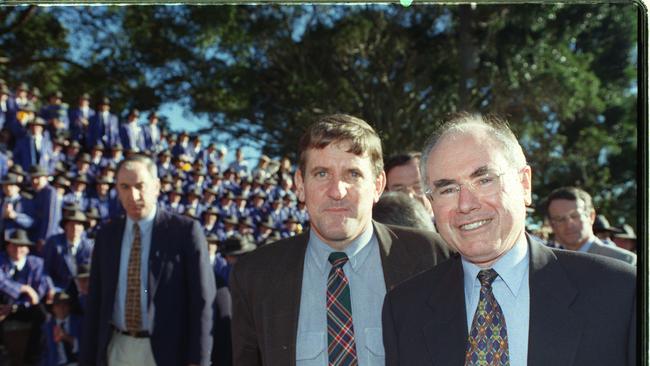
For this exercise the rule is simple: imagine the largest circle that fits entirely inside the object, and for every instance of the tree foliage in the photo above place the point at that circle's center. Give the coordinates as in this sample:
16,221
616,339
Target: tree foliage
564,75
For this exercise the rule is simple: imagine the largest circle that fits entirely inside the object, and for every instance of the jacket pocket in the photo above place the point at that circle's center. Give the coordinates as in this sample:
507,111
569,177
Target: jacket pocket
375,346
310,349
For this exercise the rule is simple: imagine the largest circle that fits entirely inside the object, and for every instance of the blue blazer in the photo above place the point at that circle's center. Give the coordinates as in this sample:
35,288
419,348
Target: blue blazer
181,292
101,130
77,130
32,274
130,142
25,152
51,357
60,264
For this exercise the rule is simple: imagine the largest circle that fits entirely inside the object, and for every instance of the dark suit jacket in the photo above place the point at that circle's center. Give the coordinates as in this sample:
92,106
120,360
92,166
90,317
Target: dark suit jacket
181,291
266,285
582,312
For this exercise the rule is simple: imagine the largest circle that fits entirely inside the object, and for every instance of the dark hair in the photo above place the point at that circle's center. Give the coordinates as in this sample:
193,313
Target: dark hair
338,128
399,160
570,194
397,208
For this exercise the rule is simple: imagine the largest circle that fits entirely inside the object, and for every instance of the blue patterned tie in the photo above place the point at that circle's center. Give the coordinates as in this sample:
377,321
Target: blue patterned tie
340,332
487,343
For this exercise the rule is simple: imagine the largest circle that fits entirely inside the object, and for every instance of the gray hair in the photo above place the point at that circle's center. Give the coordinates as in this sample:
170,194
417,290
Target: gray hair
149,164
497,128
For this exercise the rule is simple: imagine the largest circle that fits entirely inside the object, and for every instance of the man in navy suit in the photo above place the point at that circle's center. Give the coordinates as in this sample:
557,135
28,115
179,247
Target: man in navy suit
131,134
169,321
103,126
65,252
152,134
79,118
35,147
548,306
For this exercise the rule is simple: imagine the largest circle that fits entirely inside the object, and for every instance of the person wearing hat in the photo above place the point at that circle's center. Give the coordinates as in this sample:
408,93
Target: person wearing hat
229,227
103,126
195,147
78,194
152,134
239,165
47,206
131,133
79,118
300,212
115,155
165,166
64,252
265,231
35,147
16,210
62,333
258,210
241,206
151,284
626,238
209,154
96,159
78,289
104,199
222,346
277,213
210,221
262,170
24,285
571,214
227,207
182,145
290,227
57,155
173,203
604,231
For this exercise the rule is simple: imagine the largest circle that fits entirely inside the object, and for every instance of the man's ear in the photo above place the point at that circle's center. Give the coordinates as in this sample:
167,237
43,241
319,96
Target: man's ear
300,185
380,185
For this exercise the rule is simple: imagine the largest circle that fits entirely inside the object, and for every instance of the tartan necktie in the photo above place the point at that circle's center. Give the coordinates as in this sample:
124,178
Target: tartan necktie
340,332
487,343
132,310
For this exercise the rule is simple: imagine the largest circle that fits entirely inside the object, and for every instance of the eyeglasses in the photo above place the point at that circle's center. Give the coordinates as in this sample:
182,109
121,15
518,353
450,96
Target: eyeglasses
573,216
482,185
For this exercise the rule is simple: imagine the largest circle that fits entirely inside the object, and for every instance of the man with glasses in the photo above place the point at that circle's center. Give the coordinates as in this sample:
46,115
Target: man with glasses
507,299
571,214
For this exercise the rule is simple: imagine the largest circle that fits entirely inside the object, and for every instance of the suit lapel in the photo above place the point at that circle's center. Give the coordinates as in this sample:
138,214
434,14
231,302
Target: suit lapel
158,232
397,264
555,329
113,255
445,330
281,307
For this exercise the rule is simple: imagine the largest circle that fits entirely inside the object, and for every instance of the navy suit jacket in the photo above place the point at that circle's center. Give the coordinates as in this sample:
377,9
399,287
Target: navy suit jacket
104,131
181,292
77,130
25,152
60,264
130,142
582,312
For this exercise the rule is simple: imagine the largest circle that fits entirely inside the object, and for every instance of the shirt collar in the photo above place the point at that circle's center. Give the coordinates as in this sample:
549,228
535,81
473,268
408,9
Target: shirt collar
20,264
586,246
145,223
511,267
356,255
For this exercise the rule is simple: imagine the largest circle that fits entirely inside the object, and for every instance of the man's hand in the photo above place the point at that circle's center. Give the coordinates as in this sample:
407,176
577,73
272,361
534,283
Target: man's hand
29,291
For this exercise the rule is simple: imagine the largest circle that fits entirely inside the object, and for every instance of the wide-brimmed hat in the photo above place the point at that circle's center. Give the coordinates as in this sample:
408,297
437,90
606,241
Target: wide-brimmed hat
231,220
19,237
76,216
61,297
212,238
10,178
38,121
627,232
601,224
237,245
37,171
93,213
211,210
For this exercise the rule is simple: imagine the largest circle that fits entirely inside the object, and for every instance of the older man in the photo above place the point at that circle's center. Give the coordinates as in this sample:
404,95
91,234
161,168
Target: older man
507,299
315,298
151,282
571,214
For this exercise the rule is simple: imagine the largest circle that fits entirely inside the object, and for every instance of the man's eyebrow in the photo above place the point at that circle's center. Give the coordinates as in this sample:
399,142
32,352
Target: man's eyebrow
476,173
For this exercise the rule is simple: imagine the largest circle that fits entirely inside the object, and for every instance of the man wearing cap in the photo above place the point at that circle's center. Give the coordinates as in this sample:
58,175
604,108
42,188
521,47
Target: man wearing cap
283,317
79,118
24,285
103,126
35,147
65,252
48,206
151,283
151,133
571,214
16,211
131,134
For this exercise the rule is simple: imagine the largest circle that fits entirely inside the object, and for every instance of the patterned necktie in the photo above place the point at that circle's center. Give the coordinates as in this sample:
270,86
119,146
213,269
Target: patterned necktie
340,332
133,315
487,343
